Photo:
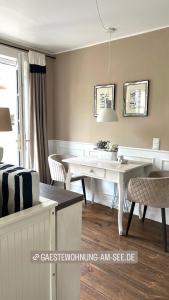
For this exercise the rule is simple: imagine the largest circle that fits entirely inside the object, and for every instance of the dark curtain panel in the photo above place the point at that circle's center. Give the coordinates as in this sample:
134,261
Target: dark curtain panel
38,121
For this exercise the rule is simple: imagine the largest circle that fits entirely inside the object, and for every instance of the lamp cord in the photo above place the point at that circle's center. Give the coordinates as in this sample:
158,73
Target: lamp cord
100,17
109,53
109,30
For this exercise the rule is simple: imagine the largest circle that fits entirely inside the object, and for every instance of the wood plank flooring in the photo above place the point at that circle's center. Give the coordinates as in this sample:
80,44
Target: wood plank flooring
148,279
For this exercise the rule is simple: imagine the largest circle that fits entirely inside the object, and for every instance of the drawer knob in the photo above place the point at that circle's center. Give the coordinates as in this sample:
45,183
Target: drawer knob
91,171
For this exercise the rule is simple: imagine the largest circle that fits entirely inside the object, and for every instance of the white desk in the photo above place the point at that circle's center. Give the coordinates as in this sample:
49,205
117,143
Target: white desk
110,171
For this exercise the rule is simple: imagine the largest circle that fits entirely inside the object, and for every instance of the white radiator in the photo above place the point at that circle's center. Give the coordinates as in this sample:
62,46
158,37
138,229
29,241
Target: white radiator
20,233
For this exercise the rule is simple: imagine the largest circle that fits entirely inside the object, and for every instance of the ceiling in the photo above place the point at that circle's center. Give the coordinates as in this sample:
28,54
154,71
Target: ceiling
62,25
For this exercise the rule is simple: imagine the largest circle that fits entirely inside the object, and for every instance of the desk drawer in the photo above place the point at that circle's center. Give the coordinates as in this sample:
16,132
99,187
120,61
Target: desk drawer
88,171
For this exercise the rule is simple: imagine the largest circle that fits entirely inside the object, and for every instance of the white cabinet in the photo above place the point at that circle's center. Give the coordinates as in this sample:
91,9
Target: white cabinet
68,238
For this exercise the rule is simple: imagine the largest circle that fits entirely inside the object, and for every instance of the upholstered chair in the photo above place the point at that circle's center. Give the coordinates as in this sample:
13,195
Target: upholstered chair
152,191
59,169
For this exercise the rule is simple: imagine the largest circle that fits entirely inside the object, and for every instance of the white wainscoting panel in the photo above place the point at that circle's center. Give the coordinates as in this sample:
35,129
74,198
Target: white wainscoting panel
104,190
21,233
165,164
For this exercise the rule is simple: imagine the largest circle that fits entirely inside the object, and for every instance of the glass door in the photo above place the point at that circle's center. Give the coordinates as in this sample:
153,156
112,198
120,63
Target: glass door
8,98
23,109
14,94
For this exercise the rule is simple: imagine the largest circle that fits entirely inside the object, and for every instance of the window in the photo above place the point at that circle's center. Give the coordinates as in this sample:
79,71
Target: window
8,98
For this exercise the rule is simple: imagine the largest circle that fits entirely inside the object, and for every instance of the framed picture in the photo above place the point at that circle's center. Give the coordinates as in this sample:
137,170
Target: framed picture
104,96
135,98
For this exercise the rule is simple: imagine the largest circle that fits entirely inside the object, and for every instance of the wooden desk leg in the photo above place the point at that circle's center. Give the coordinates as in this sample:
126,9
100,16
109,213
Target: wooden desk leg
115,195
93,189
121,188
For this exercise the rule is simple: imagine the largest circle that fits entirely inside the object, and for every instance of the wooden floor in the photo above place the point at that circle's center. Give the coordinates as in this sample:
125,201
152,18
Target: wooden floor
148,279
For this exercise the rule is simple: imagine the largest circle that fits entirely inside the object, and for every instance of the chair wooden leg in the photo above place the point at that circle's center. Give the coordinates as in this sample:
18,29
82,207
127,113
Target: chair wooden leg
84,190
52,182
164,228
64,186
144,213
130,217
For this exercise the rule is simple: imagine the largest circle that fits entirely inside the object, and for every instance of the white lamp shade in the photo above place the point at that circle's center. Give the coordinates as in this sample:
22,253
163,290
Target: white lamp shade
5,120
107,115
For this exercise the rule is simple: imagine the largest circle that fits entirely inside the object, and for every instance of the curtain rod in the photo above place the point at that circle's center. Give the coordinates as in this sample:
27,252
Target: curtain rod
24,49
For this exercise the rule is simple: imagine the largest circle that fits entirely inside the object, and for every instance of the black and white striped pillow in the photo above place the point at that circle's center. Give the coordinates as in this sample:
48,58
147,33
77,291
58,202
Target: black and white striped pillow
19,189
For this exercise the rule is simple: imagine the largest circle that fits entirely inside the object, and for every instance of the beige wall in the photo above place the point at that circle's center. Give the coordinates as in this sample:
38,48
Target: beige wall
144,56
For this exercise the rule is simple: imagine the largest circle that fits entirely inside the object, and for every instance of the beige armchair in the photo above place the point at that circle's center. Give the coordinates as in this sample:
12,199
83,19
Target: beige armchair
58,171
152,191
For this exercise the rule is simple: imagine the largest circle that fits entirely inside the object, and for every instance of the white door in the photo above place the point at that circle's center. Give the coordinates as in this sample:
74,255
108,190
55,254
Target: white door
8,98
14,94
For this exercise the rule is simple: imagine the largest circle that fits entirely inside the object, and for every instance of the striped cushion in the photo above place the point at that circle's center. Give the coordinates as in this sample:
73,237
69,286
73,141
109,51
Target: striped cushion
19,189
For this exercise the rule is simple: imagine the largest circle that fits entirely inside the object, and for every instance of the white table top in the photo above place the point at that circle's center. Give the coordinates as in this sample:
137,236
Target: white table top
106,164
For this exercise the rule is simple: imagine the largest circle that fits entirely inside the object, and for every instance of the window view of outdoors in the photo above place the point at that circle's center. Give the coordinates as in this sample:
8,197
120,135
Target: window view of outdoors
8,98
